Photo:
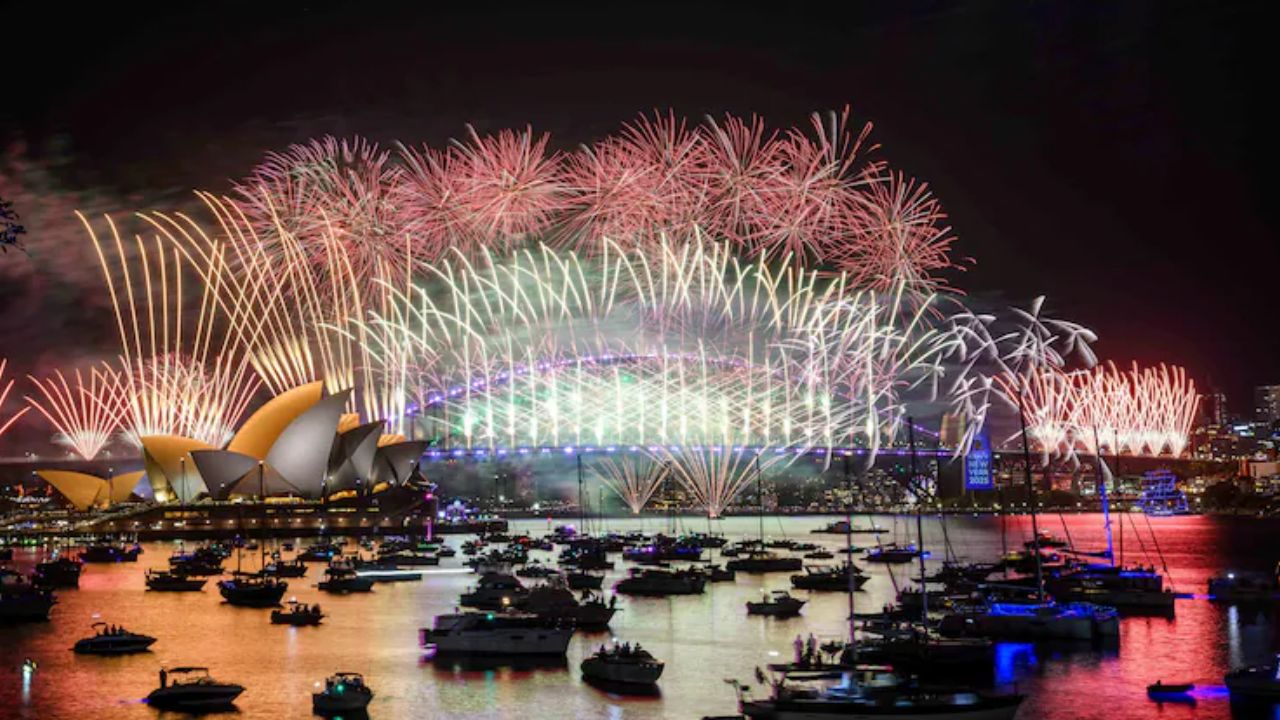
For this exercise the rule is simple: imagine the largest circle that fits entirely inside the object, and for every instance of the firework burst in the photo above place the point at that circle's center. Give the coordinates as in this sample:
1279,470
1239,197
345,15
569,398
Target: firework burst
86,413
633,479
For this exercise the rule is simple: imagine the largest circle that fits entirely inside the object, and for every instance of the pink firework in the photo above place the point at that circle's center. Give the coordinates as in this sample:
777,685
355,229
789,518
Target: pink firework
511,188
903,237
679,178
811,211
613,195
743,165
428,200
328,191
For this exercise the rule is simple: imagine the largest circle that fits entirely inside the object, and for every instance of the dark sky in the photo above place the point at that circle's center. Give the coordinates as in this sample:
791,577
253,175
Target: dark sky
1109,155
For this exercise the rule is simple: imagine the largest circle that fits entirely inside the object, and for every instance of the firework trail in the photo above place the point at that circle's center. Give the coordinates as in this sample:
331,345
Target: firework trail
715,475
86,413
632,479
178,376
4,395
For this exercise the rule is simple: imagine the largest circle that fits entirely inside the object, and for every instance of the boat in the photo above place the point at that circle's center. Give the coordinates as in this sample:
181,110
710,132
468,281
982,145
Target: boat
111,640
319,552
108,553
1047,620
656,583
192,689
819,555
1045,539
836,579
170,581
252,590
582,580
892,554
344,692
1256,682
500,634
843,527
857,699
297,614
1160,689
60,572
20,601
201,563
285,568
536,569
779,604
1120,587
1236,586
556,602
495,591
341,577
622,664
716,573
762,561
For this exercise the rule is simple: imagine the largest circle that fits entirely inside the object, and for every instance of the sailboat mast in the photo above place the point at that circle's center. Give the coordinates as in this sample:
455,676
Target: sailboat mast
582,507
915,480
1031,497
760,497
1102,493
848,550
262,501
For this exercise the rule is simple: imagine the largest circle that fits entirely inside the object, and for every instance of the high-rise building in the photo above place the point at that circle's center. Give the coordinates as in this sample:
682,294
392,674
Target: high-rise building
952,430
1266,404
1215,406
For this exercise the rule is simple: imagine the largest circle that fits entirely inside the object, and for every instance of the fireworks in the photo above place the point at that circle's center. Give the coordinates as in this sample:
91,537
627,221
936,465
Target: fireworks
327,191
1139,411
633,479
4,395
717,474
177,377
86,412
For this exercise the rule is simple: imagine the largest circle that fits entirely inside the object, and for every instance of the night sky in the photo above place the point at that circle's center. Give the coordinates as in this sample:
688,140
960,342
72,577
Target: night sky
1114,157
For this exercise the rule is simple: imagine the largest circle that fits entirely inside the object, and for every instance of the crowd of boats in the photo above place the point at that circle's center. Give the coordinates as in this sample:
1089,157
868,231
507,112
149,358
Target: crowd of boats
930,653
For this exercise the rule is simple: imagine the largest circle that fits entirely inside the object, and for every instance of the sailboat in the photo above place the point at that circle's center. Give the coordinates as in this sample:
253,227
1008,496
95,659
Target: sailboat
258,590
864,691
758,559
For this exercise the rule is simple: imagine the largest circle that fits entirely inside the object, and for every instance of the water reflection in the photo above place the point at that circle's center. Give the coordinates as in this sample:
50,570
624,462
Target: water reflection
703,639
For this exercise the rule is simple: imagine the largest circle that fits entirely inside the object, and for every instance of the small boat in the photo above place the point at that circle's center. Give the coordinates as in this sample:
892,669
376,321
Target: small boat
662,582
110,640
761,561
344,692
108,553
495,591
170,581
320,552
780,604
192,689
412,559
341,577
829,578
582,580
285,568
496,634
61,572
252,590
297,614
20,601
892,554
554,601
715,573
380,572
623,664
819,555
1159,688
1237,586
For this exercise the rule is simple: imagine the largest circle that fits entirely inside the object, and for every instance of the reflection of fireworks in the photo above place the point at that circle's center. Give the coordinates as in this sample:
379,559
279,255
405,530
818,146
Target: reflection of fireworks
4,395
633,479
179,376
85,413
716,474
1139,411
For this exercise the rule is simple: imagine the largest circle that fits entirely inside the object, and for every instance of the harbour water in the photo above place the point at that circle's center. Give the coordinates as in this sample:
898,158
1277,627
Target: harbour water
703,639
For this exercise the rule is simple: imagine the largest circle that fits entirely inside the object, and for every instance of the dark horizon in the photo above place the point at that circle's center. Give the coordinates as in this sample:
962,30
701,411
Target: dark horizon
1126,143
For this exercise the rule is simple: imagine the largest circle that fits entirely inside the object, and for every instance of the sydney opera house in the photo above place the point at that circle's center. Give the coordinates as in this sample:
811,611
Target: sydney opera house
305,458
